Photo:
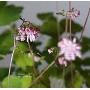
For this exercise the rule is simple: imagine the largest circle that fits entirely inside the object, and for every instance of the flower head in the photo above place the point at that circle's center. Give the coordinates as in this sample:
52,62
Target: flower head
73,13
69,48
27,33
50,50
62,61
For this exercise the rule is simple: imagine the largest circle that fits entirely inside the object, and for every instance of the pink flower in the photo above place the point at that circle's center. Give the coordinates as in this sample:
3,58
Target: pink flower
31,34
74,13
50,50
36,58
69,48
22,38
62,61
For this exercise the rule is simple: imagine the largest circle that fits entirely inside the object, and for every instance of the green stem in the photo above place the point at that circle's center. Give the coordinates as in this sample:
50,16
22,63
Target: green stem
31,52
44,71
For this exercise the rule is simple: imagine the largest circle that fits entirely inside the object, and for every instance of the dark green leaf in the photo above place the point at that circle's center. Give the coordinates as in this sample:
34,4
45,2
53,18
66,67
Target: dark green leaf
1,58
6,42
44,16
2,4
75,26
4,72
9,14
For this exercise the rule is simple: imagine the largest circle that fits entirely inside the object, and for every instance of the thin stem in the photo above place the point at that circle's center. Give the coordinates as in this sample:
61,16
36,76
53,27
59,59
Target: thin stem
11,62
66,28
84,25
31,52
72,80
44,71
58,26
63,76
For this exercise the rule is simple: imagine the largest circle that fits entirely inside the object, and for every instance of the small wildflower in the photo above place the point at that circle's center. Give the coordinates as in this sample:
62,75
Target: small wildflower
50,50
69,48
62,61
74,13
27,33
36,58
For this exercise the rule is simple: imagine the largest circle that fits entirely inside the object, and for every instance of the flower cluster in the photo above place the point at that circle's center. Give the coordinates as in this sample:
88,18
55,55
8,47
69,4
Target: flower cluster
70,49
73,13
27,33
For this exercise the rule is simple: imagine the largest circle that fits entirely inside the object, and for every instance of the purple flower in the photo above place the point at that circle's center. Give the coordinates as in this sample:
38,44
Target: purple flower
69,48
62,61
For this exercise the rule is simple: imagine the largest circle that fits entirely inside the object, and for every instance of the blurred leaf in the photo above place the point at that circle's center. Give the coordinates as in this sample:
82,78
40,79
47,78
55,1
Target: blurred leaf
1,58
85,44
52,42
26,81
44,16
86,62
22,60
2,4
75,26
9,14
6,41
14,82
4,72
78,80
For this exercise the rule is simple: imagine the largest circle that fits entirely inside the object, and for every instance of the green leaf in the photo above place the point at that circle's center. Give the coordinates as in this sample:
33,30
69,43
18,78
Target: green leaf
14,82
86,62
2,4
44,16
85,44
1,58
6,41
78,80
75,26
9,14
22,60
4,72
52,43
26,81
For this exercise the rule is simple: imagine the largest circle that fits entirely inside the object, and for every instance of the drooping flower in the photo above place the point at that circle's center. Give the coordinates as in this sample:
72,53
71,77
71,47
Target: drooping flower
31,34
36,58
70,49
50,50
27,33
62,61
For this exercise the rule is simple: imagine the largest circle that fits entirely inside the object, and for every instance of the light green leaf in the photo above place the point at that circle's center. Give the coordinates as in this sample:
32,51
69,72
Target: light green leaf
26,81
22,60
14,82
